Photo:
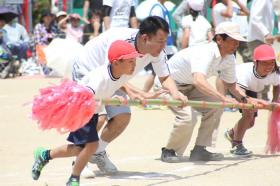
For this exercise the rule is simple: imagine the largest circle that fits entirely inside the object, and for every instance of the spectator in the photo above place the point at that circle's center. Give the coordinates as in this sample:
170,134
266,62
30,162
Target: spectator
74,29
61,27
17,39
3,34
119,13
197,29
94,28
226,9
91,6
235,11
44,31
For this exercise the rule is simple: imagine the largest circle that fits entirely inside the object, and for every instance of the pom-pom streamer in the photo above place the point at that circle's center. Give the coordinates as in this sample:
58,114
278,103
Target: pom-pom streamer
273,132
66,107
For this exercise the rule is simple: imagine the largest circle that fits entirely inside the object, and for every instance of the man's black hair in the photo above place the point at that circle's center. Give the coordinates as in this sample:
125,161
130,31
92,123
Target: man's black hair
152,24
224,36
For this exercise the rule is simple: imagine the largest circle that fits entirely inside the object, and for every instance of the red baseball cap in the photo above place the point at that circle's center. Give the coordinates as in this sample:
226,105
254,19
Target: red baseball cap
264,52
120,49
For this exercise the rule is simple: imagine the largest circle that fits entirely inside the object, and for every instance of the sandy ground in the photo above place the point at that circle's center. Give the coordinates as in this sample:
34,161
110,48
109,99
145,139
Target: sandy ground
136,152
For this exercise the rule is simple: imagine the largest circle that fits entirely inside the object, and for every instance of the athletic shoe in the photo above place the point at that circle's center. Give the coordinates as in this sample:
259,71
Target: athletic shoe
169,156
240,151
103,163
40,162
228,136
73,182
201,154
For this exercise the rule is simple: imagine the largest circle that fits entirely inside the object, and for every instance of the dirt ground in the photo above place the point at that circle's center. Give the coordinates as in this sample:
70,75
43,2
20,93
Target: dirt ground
136,152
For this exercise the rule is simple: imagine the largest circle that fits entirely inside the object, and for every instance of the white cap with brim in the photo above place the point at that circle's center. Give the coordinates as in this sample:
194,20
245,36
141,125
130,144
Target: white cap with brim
61,13
231,29
196,5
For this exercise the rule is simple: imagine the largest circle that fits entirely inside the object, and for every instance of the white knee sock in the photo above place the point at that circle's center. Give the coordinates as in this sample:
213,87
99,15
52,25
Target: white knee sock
101,146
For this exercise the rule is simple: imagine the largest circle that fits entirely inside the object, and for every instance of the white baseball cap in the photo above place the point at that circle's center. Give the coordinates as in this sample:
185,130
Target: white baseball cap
196,5
231,29
61,13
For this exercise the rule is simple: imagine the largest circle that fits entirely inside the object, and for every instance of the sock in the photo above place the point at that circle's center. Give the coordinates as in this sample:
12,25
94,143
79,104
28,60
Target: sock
46,155
101,146
231,133
76,178
236,142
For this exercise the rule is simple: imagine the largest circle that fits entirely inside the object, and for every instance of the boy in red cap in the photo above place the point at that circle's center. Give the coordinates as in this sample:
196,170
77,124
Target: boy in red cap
103,81
252,78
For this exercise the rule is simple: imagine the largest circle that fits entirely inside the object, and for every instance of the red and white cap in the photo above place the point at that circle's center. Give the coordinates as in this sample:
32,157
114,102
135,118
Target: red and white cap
120,49
264,52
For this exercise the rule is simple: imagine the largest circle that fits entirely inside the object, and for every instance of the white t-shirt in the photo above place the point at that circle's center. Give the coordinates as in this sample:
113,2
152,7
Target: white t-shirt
248,79
101,82
198,29
95,54
261,20
205,59
219,8
242,21
120,12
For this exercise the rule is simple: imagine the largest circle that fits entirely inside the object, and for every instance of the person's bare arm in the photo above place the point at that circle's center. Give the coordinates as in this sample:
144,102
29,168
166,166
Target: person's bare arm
185,37
132,18
107,20
201,83
169,84
229,11
275,93
85,9
63,21
244,11
210,35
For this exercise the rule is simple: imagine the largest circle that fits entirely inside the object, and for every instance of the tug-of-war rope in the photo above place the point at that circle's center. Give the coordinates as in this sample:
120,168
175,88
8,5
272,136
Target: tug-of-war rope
69,106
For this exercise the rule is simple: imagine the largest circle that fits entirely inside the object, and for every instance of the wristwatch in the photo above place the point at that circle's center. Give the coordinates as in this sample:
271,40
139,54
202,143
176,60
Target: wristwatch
243,99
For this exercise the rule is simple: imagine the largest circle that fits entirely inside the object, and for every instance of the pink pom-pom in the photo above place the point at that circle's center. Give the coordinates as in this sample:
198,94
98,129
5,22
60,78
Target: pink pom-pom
273,132
65,107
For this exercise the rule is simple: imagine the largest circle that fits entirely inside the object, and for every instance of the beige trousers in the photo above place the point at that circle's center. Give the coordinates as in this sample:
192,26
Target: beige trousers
185,120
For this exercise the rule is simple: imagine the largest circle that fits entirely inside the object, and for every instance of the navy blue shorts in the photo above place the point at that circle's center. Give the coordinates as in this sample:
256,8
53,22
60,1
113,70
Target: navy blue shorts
253,95
86,134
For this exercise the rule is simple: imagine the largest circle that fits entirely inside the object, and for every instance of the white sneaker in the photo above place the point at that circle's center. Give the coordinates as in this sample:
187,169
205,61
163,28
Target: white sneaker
103,163
87,172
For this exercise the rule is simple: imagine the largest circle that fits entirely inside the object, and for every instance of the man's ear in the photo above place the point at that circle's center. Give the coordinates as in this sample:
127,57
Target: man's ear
218,39
145,37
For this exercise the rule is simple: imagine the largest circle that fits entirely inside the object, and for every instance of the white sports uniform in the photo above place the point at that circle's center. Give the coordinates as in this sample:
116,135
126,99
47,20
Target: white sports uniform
198,29
120,12
248,79
95,55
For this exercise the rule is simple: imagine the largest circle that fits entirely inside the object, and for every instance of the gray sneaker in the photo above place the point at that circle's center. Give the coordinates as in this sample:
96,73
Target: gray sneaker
169,156
103,163
240,151
201,154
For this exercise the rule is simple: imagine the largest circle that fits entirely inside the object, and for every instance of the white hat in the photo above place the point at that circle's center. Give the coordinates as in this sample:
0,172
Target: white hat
231,29
196,5
61,13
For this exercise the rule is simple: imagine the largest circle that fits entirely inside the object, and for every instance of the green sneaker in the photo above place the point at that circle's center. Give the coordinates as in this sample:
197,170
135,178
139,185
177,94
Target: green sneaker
39,163
228,136
73,182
